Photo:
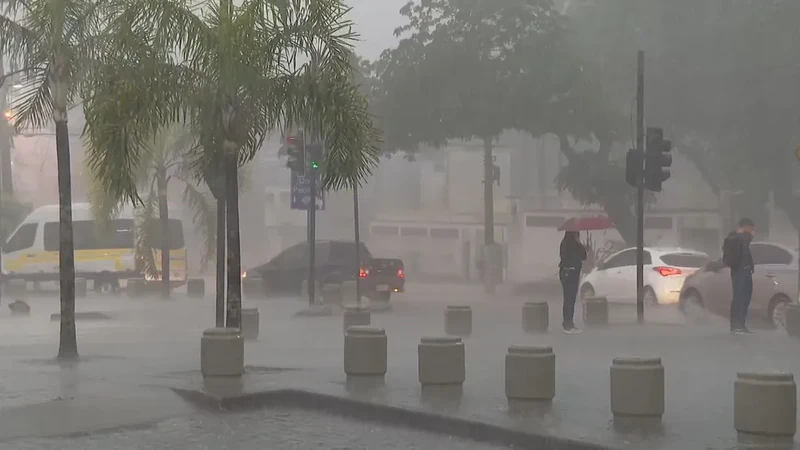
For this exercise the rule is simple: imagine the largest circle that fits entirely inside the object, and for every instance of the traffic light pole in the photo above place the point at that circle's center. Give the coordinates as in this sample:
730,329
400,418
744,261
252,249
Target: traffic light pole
640,190
312,226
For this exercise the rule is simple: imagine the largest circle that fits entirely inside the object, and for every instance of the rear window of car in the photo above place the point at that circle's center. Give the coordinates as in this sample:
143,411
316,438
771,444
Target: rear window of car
343,251
383,264
685,260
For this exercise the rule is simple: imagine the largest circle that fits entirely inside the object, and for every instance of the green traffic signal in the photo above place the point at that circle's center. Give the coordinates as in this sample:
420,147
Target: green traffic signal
314,165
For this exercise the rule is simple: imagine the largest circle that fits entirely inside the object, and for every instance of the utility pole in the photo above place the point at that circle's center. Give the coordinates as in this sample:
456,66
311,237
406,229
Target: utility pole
640,190
358,242
312,224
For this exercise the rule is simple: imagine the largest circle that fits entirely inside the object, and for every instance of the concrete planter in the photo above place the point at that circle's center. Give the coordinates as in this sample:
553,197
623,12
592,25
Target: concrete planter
222,353
637,387
250,323
793,320
196,288
765,404
595,311
356,316
441,361
458,320
535,317
530,373
365,351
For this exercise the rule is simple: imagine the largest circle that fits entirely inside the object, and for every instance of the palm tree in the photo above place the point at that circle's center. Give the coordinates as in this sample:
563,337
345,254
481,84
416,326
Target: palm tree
55,43
234,74
162,161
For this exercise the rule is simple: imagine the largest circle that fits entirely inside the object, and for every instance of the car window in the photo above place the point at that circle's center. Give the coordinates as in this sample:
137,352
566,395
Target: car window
685,260
624,258
769,254
293,256
22,239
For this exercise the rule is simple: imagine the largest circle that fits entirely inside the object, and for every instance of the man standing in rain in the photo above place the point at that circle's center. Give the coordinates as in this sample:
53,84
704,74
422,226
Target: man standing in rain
736,255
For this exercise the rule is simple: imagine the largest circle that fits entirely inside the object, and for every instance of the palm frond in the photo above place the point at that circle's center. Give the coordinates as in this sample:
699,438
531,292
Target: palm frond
204,217
144,215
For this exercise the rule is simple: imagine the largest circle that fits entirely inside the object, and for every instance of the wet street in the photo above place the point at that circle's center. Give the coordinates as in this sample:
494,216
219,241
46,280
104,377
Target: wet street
132,360
262,430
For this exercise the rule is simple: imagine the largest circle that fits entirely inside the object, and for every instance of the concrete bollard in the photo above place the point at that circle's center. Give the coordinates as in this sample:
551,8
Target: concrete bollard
595,311
441,361
793,320
535,317
458,320
332,294
530,373
348,291
196,288
80,287
637,387
356,316
765,405
16,288
365,351
222,353
250,323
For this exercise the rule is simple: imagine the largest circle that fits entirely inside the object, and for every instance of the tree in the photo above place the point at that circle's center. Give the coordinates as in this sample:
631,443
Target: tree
717,76
233,75
55,43
162,162
454,73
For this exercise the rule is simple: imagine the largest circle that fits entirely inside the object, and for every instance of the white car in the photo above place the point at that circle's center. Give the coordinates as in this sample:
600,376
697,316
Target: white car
665,269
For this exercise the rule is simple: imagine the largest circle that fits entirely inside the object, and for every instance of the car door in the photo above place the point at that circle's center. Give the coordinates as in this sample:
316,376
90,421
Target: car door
623,279
606,281
773,273
293,268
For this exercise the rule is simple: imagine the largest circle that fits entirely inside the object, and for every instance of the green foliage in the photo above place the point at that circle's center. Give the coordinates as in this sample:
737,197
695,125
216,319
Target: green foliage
466,69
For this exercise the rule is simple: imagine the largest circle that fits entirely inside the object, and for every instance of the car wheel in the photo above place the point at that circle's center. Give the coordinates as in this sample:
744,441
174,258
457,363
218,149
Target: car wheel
777,311
650,296
692,306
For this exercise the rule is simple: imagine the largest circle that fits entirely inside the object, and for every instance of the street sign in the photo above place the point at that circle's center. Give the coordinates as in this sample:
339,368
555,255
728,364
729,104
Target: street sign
301,192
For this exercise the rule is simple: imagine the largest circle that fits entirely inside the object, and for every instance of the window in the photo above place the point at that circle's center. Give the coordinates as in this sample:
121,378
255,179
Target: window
413,231
175,234
685,260
86,236
625,258
444,233
294,257
769,254
22,239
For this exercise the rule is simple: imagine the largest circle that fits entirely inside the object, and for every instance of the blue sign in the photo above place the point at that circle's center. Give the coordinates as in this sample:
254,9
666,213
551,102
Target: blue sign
301,192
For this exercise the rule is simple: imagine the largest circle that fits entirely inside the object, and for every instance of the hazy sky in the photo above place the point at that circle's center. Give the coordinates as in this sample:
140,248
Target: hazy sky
375,22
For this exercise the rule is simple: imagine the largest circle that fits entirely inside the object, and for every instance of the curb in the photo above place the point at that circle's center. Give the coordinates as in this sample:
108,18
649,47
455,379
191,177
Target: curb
386,415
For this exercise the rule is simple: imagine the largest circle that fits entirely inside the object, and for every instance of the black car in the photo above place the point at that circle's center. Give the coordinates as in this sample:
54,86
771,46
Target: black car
335,262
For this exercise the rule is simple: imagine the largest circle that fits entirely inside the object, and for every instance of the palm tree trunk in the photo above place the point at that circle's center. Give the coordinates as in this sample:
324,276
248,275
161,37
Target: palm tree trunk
234,247
68,343
163,211
221,259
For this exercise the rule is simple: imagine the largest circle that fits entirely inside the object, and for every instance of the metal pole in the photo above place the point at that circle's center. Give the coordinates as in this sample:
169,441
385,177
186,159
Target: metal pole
640,190
312,227
358,243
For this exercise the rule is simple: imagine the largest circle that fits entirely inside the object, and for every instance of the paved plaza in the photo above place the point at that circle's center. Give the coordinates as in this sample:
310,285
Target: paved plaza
132,361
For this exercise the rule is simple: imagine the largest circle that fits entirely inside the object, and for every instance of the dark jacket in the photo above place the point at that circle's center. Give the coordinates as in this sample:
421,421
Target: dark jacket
573,253
743,239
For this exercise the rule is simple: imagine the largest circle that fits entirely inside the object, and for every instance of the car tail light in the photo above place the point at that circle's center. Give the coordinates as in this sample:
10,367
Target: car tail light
400,273
363,272
667,271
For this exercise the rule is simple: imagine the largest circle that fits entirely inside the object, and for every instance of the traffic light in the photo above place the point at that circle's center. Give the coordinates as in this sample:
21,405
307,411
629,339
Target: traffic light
314,155
633,167
657,160
296,156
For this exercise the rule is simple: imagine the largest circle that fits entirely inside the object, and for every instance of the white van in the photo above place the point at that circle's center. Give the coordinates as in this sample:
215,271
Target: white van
104,257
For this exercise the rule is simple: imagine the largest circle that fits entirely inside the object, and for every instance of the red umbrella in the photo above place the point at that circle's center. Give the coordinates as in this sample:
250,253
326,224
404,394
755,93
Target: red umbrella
587,224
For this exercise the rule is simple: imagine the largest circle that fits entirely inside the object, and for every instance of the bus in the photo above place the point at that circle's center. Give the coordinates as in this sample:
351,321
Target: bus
107,258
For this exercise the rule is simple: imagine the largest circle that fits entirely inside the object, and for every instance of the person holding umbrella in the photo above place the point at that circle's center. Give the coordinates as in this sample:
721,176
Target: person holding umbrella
573,253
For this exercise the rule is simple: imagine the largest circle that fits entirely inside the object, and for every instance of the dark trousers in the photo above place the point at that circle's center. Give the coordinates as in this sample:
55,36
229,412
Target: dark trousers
742,283
570,278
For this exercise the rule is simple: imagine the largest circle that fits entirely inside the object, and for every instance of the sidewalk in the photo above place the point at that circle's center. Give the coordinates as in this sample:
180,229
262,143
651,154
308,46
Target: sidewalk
151,346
